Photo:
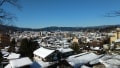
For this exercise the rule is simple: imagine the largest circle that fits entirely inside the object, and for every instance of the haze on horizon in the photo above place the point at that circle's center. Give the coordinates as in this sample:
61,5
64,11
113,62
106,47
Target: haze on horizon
65,13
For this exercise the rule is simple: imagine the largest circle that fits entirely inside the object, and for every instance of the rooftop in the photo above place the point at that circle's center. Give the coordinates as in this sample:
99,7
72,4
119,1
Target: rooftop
43,52
83,58
20,62
13,56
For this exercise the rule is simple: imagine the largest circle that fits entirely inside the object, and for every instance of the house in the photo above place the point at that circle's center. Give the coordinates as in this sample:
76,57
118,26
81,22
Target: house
60,64
95,48
45,54
76,61
24,62
111,61
115,35
117,44
40,64
65,52
5,53
106,47
4,39
13,56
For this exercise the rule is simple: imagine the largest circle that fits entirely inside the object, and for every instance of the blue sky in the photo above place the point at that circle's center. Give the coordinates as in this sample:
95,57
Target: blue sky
68,13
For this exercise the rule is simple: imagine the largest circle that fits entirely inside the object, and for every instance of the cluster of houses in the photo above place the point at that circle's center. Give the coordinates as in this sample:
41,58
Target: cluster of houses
55,50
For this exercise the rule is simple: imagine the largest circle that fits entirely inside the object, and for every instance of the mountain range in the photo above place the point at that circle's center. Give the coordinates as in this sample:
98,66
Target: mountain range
55,28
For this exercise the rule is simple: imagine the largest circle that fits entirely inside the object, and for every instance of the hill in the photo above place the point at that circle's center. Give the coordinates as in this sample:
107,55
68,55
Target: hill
105,28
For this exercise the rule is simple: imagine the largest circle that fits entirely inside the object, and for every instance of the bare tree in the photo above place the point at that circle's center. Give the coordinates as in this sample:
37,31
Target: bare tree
113,14
5,16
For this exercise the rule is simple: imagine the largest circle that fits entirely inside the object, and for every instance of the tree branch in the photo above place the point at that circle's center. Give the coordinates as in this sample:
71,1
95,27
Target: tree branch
6,16
2,2
113,14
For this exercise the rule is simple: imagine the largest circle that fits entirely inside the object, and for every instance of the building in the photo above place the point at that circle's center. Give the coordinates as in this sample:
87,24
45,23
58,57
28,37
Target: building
13,56
4,39
117,44
110,61
45,54
115,39
24,62
65,52
115,35
75,40
76,61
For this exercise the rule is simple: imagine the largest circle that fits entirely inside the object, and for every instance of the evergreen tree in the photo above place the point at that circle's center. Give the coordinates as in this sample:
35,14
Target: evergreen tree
12,45
1,57
27,47
75,47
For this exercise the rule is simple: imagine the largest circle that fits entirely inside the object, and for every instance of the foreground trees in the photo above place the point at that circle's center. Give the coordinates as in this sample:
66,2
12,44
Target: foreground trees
27,47
12,46
1,57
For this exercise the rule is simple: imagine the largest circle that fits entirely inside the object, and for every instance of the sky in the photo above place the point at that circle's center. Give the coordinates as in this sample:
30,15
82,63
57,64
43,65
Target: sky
65,13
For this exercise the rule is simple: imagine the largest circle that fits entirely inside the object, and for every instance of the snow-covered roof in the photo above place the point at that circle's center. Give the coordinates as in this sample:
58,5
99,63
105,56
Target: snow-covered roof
4,52
110,34
111,59
13,56
118,40
20,62
65,50
66,43
65,46
7,47
95,48
8,66
84,66
96,61
80,59
43,52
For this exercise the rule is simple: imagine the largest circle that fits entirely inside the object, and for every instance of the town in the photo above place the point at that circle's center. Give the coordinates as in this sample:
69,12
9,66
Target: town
60,49
59,34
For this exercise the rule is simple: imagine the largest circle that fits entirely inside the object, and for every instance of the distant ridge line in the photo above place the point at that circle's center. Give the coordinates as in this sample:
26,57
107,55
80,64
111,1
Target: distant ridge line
55,28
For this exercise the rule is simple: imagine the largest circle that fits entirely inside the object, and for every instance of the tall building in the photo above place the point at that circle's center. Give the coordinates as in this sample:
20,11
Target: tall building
115,35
